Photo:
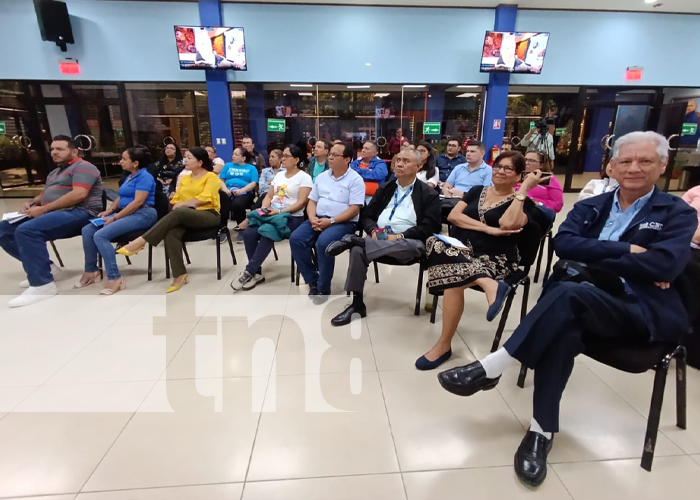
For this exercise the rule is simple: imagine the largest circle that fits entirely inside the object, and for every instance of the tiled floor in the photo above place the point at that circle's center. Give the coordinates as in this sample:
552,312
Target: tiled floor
204,394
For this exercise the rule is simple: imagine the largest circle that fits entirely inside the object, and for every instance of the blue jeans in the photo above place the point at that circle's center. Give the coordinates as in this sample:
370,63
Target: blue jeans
258,247
26,240
301,242
99,239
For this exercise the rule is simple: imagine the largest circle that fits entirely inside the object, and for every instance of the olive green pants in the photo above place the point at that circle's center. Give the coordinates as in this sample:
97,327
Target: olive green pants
172,228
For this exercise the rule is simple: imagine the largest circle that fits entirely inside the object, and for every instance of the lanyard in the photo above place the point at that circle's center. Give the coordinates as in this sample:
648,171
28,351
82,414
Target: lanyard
398,202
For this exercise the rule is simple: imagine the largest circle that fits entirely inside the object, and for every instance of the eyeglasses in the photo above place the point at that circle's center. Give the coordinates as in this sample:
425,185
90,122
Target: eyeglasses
530,160
333,155
508,169
284,157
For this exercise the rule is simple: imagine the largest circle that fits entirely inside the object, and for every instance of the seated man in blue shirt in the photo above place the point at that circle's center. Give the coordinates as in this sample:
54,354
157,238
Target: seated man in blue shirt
448,160
467,175
333,209
371,168
625,250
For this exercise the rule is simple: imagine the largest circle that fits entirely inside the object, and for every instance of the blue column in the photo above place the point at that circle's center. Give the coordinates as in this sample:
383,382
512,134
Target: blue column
499,83
436,109
217,89
255,98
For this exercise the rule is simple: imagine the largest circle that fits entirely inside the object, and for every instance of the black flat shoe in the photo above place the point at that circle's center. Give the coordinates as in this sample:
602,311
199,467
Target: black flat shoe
348,241
320,297
530,460
345,317
313,289
497,306
424,364
467,380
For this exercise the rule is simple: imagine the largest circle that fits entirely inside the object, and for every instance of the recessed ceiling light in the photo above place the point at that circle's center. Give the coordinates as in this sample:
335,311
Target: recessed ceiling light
468,94
650,1
515,95
306,93
381,94
368,64
300,85
359,86
414,86
468,86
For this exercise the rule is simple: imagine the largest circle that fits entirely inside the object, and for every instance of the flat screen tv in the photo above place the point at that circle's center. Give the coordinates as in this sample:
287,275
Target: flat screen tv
205,47
513,52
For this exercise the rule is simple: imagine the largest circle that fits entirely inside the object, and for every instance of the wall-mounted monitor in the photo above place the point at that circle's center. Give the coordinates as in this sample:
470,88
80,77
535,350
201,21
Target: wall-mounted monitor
513,52
205,47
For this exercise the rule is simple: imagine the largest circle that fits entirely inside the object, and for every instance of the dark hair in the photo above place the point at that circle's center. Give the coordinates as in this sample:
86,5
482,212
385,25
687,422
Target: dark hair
478,144
202,155
141,154
299,154
178,155
517,158
429,165
348,151
211,146
544,160
247,157
453,140
374,145
68,139
247,137
325,144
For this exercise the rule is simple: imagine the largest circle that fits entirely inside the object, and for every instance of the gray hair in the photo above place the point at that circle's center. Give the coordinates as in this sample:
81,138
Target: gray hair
659,140
418,157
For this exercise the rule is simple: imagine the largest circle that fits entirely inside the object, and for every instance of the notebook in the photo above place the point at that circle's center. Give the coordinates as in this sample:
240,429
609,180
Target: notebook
13,217
449,240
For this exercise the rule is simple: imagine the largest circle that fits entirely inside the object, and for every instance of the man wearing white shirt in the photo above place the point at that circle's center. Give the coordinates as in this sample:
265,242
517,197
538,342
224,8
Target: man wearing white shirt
398,220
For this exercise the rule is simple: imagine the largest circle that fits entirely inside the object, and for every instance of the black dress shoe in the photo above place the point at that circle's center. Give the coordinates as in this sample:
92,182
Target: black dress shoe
530,460
345,317
345,243
320,297
467,380
313,289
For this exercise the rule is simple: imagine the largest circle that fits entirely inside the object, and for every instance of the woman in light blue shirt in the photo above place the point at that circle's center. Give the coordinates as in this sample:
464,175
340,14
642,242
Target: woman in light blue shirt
239,178
133,210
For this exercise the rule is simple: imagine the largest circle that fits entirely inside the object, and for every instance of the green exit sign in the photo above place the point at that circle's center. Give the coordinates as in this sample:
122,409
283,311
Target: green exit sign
431,128
275,125
688,129
3,130
560,132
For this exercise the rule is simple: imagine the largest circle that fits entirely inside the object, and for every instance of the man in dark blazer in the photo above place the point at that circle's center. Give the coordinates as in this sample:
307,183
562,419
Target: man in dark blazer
401,216
624,251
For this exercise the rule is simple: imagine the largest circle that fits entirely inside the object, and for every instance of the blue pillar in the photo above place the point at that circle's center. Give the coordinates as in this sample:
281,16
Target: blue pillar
217,89
255,98
499,83
436,109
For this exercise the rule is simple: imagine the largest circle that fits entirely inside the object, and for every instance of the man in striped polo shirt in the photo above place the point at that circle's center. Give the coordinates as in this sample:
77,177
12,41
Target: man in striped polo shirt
72,196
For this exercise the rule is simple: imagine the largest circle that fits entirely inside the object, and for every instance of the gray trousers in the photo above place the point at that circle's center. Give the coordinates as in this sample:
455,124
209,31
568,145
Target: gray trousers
403,251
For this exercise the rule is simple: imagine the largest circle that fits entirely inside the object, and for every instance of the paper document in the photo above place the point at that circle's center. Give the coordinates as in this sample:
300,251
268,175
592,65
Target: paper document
449,240
13,217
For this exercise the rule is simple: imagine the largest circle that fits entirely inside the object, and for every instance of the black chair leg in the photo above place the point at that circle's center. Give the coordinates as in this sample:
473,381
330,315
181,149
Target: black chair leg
55,252
230,247
419,291
167,266
187,256
657,399
434,311
218,259
526,295
99,265
502,322
539,261
150,263
298,274
376,272
292,276
128,260
550,256
274,252
681,405
521,376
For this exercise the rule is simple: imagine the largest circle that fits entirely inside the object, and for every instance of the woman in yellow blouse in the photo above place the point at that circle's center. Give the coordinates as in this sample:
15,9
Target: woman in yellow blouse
199,191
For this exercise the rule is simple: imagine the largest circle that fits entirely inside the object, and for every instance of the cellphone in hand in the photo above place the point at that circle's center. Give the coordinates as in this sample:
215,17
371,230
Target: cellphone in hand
263,211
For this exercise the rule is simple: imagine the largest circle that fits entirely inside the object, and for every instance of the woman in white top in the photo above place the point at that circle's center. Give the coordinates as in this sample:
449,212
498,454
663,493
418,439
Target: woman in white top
599,186
289,193
428,172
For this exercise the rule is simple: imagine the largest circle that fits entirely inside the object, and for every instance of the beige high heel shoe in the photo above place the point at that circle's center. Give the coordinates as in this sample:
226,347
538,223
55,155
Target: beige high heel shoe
109,291
96,278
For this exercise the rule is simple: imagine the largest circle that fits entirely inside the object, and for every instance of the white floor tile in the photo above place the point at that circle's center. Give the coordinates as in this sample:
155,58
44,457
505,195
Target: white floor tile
380,486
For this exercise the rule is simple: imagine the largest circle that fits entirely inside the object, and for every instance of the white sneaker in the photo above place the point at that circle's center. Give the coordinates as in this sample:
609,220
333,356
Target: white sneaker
244,281
55,272
34,294
257,279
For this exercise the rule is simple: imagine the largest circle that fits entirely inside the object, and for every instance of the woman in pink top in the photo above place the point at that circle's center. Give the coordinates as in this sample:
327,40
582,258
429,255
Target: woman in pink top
550,194
692,198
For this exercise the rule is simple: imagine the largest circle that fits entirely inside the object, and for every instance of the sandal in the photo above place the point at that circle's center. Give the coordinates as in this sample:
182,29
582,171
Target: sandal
96,278
110,291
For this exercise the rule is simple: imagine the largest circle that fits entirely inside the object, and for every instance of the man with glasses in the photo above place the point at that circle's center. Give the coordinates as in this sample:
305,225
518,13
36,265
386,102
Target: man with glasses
448,160
402,215
371,168
616,286
333,210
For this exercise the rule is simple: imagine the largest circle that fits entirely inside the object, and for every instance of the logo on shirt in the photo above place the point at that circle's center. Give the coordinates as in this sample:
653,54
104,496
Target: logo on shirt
656,226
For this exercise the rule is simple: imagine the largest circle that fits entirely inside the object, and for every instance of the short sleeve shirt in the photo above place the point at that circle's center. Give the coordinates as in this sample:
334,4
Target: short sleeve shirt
78,173
237,176
285,191
334,195
141,181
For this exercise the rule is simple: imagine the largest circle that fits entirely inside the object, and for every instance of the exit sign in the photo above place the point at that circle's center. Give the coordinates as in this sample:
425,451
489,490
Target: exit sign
3,130
688,129
275,125
431,128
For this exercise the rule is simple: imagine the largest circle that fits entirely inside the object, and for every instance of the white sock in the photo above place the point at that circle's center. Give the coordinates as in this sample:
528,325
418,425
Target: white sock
535,427
495,363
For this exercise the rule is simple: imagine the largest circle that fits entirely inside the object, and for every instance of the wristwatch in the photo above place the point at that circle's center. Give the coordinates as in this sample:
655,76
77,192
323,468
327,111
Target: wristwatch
332,221
520,197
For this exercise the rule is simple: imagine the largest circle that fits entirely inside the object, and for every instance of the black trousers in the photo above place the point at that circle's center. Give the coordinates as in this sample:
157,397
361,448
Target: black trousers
567,317
239,204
